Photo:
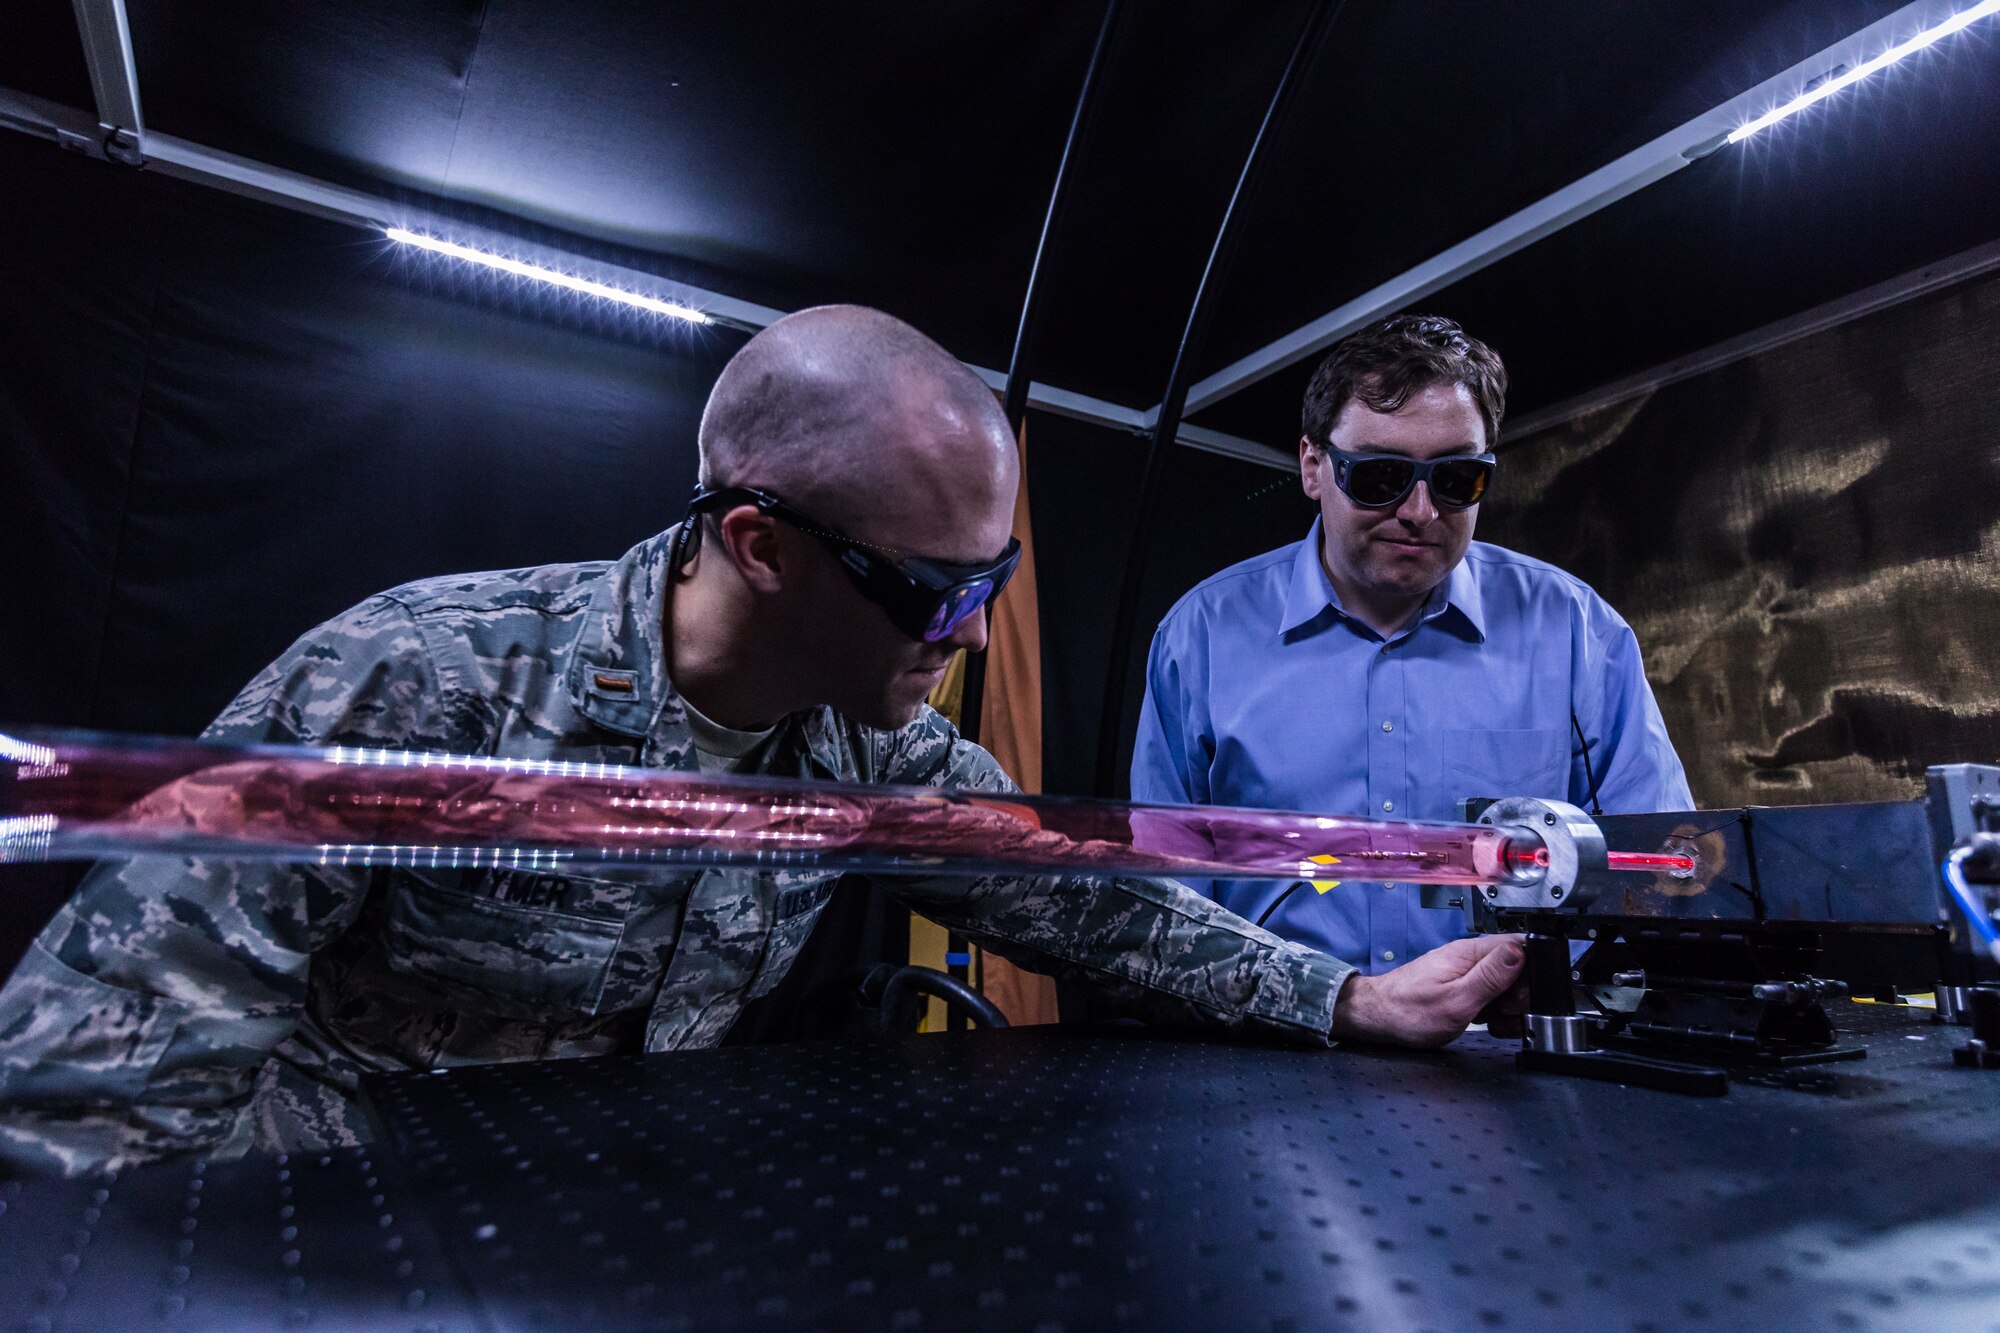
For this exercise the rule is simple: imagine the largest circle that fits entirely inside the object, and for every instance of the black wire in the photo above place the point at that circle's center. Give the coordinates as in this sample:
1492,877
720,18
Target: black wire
1740,817
906,984
1278,902
1588,776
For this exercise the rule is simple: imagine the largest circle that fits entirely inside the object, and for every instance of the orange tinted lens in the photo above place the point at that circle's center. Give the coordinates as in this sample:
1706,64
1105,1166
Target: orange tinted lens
1460,483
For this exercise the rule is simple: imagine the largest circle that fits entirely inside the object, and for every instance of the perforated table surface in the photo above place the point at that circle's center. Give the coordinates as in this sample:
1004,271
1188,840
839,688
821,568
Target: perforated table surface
1048,1179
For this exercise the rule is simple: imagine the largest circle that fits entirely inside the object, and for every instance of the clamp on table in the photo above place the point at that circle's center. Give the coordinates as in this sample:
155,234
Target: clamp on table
1671,1006
1695,973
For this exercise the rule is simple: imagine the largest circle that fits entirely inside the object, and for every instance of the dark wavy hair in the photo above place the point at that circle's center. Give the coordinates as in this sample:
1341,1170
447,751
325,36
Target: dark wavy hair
1391,359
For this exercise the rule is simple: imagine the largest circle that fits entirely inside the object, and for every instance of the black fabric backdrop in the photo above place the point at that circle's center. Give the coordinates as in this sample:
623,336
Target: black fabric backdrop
224,423
1211,512
221,423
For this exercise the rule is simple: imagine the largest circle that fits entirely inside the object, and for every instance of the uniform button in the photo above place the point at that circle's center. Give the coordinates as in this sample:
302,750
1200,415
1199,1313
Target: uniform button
1388,955
1388,725
1388,805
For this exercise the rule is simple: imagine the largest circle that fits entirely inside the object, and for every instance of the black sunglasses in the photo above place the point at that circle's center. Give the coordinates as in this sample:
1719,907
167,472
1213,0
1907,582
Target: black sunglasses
1381,481
926,599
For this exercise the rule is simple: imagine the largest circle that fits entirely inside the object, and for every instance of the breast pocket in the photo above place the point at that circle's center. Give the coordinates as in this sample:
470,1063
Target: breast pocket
800,900
519,960
1531,761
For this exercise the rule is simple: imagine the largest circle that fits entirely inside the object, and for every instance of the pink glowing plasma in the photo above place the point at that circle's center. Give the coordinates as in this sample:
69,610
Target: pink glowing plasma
72,796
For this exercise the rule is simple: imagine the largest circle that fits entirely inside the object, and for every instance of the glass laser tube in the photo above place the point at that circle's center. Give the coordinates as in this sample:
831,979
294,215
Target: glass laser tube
79,796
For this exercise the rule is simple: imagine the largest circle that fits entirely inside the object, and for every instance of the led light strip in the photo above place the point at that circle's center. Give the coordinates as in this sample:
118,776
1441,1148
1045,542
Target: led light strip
554,278
1819,92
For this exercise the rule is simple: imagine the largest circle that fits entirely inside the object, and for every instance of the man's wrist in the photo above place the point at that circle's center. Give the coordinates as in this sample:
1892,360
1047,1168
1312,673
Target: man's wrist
1353,1006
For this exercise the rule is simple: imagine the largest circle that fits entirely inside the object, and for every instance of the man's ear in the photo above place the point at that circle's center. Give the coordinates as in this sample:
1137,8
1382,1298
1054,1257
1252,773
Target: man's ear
1312,468
755,547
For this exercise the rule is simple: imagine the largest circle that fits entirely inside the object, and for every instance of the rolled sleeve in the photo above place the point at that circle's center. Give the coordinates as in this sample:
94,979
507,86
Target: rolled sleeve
1155,948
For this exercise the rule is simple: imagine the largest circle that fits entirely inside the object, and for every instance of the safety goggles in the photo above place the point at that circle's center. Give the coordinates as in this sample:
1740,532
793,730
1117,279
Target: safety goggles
1382,481
926,599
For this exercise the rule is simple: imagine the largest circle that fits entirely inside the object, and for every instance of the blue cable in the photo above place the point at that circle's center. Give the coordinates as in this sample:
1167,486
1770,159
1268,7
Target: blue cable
1974,911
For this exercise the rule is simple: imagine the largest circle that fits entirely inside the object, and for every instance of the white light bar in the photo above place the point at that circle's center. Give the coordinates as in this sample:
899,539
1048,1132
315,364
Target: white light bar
1832,85
565,280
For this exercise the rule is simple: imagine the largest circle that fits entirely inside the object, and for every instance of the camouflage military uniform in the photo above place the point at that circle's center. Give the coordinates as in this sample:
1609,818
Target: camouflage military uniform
175,1005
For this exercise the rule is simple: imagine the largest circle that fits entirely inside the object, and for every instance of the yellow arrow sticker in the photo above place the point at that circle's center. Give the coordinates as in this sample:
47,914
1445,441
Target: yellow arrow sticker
1322,885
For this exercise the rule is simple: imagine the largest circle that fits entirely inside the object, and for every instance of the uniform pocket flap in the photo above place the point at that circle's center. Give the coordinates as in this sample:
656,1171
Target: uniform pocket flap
68,1038
497,957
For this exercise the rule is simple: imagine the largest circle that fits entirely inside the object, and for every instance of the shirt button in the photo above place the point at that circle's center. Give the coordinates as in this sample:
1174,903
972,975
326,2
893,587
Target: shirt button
1388,805
1388,725
1388,955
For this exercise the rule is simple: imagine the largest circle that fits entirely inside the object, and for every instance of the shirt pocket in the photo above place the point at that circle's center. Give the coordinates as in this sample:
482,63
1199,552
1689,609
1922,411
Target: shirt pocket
797,910
519,961
68,1038
1508,761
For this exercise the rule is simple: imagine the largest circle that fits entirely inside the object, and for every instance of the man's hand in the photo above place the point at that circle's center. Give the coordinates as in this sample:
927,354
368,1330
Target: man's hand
1429,1000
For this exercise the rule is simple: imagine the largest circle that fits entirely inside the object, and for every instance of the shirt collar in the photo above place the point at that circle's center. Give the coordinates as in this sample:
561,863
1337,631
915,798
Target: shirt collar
1463,595
618,674
1309,594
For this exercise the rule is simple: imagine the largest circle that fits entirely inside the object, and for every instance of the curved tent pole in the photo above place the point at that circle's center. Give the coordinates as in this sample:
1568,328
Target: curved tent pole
1018,372
1200,315
1031,305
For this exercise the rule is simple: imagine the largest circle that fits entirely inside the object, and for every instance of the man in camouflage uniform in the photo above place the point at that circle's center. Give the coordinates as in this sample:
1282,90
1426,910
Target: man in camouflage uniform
176,1005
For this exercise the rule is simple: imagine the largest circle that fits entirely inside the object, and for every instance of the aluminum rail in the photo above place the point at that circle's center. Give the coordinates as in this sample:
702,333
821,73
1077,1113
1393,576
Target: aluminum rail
1653,161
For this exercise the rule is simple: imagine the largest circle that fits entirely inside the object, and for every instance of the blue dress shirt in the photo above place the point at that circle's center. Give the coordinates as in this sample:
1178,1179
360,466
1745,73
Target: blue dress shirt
1261,691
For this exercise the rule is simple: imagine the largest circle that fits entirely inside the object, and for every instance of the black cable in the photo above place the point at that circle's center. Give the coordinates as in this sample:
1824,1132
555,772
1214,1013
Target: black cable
1019,368
899,996
1588,776
972,696
1278,902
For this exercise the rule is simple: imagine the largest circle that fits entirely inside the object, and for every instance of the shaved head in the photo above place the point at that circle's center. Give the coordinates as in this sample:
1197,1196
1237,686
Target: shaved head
869,428
856,417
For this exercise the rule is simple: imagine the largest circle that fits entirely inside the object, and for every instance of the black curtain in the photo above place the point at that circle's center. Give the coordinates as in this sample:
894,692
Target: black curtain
1212,511
222,422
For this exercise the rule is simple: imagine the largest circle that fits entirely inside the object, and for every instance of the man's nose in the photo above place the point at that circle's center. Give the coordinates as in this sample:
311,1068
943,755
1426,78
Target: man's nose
1417,508
971,631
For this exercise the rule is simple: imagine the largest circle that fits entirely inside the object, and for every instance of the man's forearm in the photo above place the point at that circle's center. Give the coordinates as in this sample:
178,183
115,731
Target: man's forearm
1157,949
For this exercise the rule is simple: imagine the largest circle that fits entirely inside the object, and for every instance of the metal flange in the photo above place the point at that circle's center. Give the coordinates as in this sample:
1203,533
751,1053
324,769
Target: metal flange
1574,844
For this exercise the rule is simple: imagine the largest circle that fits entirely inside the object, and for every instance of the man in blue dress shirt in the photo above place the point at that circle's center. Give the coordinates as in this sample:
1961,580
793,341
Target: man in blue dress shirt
1390,666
